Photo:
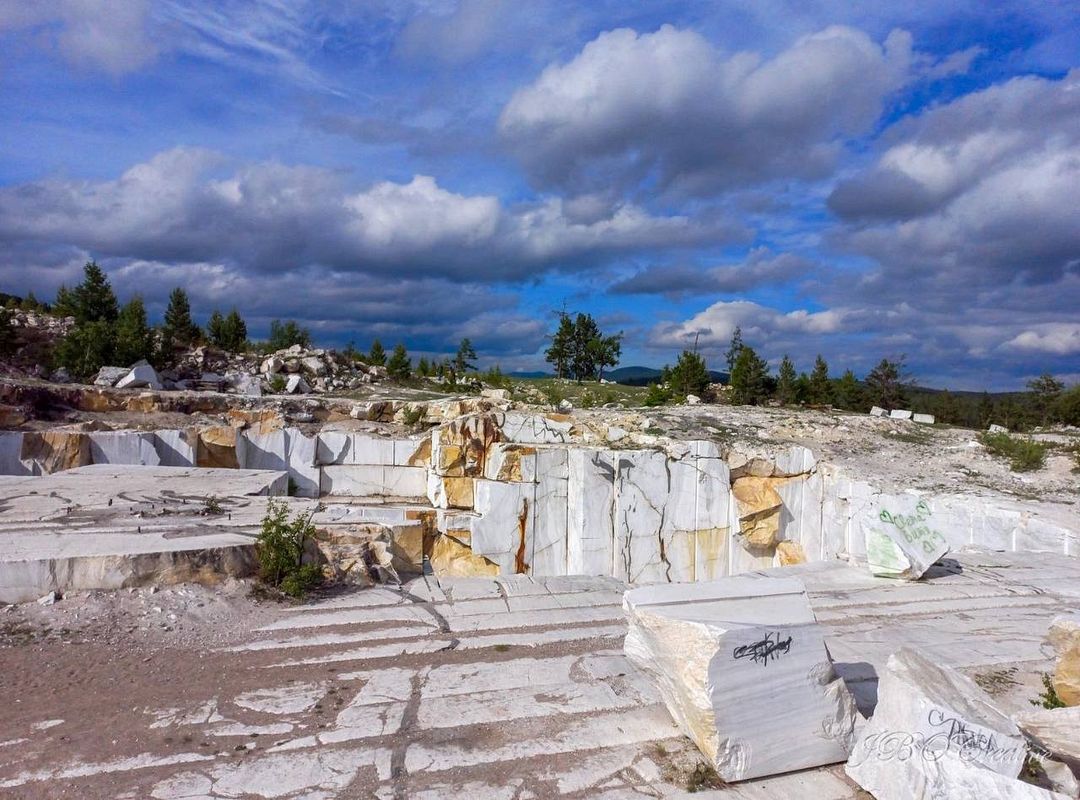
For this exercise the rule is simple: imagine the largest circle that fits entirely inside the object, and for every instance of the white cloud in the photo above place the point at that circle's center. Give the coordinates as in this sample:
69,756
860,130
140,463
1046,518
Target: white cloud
1058,338
669,104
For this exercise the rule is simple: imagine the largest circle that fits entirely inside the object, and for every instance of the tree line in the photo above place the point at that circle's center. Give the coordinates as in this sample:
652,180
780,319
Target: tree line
888,385
580,350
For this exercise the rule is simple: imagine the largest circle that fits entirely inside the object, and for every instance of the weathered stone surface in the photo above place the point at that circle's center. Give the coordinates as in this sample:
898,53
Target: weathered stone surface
11,462
900,542
876,411
935,733
514,463
995,428
272,365
503,531
526,428
899,413
450,558
216,447
548,545
45,452
141,376
923,419
759,506
796,460
450,492
788,553
460,448
590,511
742,667
1064,637
1055,731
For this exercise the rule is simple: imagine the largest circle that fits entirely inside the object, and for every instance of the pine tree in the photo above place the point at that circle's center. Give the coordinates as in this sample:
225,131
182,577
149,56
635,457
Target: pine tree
179,329
87,348
604,351
30,303
284,335
399,366
582,363
377,354
748,378
689,375
423,367
64,304
736,346
7,333
560,353
785,385
234,332
819,392
215,329
134,339
848,394
885,384
1045,391
465,357
93,299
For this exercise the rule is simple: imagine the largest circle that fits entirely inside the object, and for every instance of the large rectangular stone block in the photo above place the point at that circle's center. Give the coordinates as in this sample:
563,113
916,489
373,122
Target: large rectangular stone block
548,552
503,529
742,666
641,492
368,481
590,517
11,454
175,448
123,447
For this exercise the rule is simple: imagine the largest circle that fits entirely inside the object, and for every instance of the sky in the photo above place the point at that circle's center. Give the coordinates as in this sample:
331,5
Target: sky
856,180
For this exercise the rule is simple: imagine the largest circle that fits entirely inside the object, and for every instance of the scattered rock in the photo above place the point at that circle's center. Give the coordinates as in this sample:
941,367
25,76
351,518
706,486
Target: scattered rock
565,406
878,412
297,385
997,429
141,376
692,400
108,376
48,599
935,733
899,413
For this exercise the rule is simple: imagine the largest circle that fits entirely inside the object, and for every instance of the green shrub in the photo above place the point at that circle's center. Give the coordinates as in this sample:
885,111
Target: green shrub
1024,455
657,395
1048,698
277,383
280,548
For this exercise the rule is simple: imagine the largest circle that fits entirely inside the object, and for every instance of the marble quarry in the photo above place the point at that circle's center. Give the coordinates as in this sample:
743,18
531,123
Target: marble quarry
517,493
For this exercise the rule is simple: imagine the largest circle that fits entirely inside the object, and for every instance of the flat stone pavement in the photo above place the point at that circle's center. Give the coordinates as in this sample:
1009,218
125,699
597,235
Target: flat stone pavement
490,688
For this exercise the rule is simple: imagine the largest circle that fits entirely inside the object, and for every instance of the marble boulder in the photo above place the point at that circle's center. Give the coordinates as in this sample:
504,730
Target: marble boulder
900,539
742,667
935,733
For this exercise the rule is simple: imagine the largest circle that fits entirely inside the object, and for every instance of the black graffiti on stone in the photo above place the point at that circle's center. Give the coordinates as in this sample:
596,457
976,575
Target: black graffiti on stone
948,735
761,652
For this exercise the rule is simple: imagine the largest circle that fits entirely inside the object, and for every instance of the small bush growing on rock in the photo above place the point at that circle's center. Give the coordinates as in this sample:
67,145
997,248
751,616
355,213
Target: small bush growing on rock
1048,698
280,549
1024,455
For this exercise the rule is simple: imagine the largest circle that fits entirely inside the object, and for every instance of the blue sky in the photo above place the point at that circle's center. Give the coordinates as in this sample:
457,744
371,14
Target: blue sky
857,182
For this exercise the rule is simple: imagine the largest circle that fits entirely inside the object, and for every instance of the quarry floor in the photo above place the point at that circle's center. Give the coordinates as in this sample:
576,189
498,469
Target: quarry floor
480,688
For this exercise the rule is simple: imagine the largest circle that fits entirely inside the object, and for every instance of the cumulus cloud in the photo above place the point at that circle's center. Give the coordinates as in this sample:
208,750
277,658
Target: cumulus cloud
267,217
975,193
1057,338
670,105
713,327
760,268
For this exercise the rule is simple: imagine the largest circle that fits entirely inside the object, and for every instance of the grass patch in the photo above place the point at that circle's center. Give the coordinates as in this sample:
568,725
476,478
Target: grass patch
1048,697
1024,455
997,681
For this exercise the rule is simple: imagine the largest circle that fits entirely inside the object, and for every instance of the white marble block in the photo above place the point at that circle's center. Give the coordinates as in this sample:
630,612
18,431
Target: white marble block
123,447
548,546
590,517
526,428
742,667
935,733
504,528
175,448
641,496
901,541
300,453
11,454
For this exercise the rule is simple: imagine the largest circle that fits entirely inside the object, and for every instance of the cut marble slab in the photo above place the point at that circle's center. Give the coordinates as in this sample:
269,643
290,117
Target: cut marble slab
935,733
901,541
742,666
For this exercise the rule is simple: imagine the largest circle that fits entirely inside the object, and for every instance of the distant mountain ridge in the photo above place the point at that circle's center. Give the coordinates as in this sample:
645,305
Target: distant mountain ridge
629,376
